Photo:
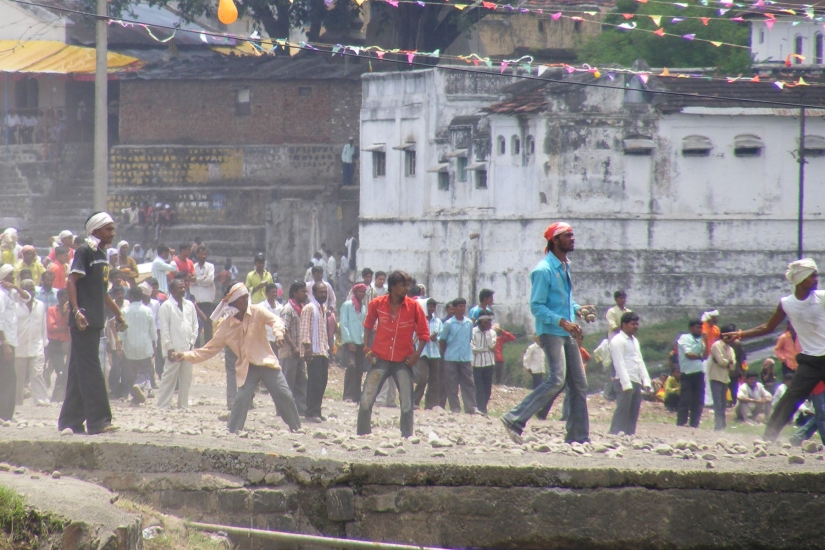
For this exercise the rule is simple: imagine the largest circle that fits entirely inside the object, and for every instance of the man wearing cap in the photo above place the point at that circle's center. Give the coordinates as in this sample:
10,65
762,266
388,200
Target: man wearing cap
346,161
552,304
243,330
86,398
66,238
10,296
257,279
805,308
31,262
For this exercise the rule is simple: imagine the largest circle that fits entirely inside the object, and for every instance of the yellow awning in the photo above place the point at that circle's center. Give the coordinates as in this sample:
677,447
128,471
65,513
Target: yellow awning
52,57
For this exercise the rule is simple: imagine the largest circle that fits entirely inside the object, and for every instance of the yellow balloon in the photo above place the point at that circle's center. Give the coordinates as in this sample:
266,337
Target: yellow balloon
227,12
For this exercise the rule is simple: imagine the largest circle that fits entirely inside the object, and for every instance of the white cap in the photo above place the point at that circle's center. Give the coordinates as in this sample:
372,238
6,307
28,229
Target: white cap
65,234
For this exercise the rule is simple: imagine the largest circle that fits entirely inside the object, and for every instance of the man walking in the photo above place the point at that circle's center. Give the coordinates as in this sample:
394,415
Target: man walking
552,304
243,330
455,341
346,161
692,354
353,314
428,368
315,343
292,360
203,290
178,332
29,359
393,318
86,398
631,375
139,341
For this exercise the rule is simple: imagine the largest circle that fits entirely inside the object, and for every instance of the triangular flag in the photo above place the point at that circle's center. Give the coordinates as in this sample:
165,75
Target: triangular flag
611,76
503,66
794,23
570,69
760,4
705,20
659,32
688,36
203,37
627,15
676,20
801,82
769,23
723,11
779,84
665,72
556,16
626,26
680,5
460,6
393,3
657,19
644,77
410,57
809,13
541,69
731,80
717,44
592,13
380,55
755,79
489,5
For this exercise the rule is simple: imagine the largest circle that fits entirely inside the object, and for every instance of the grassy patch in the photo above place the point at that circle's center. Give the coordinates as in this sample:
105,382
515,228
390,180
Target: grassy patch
172,533
22,526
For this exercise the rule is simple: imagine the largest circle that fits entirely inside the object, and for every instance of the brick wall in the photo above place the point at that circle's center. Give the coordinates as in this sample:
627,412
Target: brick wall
204,112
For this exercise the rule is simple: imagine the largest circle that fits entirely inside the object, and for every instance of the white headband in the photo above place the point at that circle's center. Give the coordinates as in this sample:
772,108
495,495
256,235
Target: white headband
800,270
101,219
238,290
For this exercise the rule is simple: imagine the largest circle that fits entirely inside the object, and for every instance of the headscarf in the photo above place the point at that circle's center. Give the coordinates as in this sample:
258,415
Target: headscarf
5,270
101,219
121,244
708,315
238,290
355,301
146,288
800,270
555,229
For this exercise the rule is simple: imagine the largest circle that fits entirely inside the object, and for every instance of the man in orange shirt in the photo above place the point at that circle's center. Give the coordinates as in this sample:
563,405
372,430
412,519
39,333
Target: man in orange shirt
710,334
787,348
59,265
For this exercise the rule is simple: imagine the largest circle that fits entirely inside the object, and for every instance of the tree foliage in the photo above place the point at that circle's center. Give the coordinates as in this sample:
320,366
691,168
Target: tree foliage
625,46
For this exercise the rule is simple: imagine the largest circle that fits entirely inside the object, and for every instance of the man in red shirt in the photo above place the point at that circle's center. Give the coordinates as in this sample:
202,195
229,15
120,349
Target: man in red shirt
66,240
59,265
184,264
502,337
57,330
394,318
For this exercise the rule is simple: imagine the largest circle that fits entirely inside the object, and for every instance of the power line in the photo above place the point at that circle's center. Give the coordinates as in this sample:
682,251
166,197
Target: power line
310,48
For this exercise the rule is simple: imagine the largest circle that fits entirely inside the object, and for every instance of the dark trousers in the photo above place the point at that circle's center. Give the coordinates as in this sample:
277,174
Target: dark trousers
786,370
693,399
317,374
117,386
206,326
719,390
672,401
442,398
377,375
428,382
735,379
460,377
809,373
498,373
348,170
8,386
483,379
275,383
628,404
86,398
57,359
295,372
354,372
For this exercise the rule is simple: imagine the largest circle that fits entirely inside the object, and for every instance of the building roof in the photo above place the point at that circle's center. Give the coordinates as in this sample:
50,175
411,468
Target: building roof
304,66
567,4
53,57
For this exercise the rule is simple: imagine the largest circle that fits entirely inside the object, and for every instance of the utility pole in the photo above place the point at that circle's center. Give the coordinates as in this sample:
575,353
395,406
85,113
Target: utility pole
101,144
801,158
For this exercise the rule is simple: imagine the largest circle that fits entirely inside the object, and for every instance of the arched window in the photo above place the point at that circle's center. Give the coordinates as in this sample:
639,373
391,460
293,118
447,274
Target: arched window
530,145
798,49
515,145
501,145
818,49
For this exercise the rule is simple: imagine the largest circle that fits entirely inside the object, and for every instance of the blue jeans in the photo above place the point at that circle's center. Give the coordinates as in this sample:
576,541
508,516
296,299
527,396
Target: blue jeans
564,364
817,422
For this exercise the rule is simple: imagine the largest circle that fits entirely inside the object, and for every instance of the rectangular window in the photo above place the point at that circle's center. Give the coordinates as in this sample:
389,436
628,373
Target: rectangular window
409,163
304,91
481,179
242,102
461,168
443,181
379,164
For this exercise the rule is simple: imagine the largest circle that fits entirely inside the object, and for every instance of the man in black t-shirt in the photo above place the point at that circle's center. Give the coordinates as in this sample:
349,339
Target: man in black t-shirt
86,399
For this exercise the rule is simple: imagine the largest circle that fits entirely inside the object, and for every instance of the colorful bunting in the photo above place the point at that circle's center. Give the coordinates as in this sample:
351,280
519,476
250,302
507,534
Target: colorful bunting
659,32
657,19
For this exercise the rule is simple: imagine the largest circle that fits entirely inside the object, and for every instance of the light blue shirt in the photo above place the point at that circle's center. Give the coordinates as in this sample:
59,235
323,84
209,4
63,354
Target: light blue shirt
551,296
160,268
352,323
140,336
431,349
49,298
689,343
458,335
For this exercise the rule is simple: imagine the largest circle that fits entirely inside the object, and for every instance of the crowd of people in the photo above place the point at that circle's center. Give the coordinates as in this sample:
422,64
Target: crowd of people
61,344
28,126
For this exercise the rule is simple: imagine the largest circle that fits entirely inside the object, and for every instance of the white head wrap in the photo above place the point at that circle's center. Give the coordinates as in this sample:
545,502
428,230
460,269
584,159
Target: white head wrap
146,288
5,270
65,234
121,244
800,270
238,290
97,221
708,315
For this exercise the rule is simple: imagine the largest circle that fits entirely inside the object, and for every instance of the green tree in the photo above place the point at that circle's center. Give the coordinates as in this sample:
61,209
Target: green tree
625,46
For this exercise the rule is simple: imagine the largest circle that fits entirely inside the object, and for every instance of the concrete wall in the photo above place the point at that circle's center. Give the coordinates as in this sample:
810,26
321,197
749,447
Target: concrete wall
680,234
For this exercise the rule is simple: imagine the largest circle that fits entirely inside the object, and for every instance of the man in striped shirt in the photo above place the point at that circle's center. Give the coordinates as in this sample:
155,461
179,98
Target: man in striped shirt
484,359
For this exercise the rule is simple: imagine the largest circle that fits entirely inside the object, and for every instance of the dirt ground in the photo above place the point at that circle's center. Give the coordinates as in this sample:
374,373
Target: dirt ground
440,436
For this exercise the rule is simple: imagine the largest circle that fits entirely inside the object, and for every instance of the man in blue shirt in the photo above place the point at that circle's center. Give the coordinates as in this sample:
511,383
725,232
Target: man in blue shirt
428,368
455,342
691,354
485,303
552,304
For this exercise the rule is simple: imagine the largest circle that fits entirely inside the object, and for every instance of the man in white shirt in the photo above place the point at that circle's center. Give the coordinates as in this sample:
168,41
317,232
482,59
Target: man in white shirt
752,399
332,271
346,161
614,314
10,295
139,340
162,265
377,288
178,333
631,375
29,358
203,290
271,304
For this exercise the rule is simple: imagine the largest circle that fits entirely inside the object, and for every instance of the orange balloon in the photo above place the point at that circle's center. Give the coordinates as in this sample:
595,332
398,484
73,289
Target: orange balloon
227,12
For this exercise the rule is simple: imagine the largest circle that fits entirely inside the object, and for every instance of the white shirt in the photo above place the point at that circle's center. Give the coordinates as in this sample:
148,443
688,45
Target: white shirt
483,344
276,310
8,315
808,318
331,271
534,359
178,328
203,289
154,305
141,335
160,268
31,329
628,362
758,391
347,153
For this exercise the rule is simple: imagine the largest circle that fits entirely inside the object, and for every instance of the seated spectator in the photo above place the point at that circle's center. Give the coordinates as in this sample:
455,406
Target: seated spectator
767,376
673,390
752,399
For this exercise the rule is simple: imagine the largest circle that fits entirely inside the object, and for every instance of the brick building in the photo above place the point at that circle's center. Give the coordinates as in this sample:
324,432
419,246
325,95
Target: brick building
246,149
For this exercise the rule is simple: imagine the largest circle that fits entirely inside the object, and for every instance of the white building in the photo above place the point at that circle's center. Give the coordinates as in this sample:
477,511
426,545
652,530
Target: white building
687,204
773,40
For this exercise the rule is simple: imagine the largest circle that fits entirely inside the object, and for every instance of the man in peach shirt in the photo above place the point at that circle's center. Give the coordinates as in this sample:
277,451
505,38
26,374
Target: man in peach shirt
787,347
